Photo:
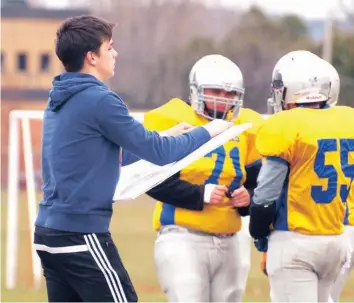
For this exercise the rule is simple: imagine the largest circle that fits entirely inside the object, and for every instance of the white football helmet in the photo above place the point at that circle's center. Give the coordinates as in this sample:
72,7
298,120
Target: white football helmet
216,72
297,55
299,78
335,84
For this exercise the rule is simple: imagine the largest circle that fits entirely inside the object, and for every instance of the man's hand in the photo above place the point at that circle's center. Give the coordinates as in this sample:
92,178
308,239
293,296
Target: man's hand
179,129
264,263
215,194
217,126
240,197
218,194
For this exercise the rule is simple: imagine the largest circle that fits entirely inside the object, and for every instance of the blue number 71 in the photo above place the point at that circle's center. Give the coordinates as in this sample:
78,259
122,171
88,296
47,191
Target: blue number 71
219,166
329,171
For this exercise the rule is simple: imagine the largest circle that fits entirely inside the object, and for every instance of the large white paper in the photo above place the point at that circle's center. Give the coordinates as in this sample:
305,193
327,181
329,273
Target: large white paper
141,176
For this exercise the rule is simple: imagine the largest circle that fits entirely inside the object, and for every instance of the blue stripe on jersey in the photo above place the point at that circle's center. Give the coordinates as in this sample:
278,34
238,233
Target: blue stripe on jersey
167,216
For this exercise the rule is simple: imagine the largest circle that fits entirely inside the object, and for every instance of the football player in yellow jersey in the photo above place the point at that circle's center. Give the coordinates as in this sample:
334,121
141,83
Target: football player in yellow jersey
196,252
349,217
298,207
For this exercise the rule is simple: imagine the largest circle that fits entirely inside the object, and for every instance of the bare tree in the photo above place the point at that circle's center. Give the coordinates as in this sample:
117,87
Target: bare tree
347,7
255,45
159,41
147,33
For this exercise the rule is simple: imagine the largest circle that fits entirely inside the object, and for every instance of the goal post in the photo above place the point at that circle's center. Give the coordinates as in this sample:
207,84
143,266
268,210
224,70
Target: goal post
13,207
19,120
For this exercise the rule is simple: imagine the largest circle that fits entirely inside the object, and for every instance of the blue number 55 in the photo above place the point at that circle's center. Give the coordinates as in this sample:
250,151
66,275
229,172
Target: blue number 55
330,172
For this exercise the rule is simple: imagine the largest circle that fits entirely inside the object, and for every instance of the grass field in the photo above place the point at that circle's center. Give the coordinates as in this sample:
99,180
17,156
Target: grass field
132,230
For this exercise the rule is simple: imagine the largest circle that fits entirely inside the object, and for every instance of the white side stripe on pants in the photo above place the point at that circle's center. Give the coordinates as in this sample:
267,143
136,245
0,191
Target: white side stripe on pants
111,268
61,250
103,263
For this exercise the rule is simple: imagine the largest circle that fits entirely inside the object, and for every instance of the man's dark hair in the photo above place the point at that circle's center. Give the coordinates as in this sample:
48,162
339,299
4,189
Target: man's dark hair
79,35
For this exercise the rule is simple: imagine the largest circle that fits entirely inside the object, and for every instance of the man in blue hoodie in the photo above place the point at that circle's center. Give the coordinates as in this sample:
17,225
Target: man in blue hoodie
85,128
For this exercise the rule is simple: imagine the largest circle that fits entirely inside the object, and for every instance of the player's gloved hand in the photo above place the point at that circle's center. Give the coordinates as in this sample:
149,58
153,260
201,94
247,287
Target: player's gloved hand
179,129
217,126
264,263
261,244
240,197
215,194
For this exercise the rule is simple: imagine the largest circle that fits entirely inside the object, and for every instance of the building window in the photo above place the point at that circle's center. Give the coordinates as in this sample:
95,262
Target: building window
22,62
2,62
45,62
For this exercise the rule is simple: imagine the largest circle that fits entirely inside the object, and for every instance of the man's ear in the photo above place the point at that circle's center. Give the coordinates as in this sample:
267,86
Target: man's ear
91,58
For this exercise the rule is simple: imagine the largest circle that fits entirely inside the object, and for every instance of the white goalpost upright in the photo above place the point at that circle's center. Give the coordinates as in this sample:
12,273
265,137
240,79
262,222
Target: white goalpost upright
13,193
20,120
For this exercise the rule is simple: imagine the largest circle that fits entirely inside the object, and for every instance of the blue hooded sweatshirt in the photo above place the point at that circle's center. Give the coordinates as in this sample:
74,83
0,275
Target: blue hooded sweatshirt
85,126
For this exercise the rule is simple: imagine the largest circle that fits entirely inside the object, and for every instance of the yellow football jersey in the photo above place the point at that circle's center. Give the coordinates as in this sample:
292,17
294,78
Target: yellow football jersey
225,165
318,146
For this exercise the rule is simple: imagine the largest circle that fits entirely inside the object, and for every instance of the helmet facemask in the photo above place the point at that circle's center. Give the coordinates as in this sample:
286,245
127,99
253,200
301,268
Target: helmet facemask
278,91
335,84
231,104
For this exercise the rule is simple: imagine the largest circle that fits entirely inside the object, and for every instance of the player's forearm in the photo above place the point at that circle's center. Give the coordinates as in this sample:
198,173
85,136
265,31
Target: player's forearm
179,193
270,182
262,210
252,173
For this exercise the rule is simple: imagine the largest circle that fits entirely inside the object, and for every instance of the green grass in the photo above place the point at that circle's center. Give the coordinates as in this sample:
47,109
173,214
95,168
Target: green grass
132,231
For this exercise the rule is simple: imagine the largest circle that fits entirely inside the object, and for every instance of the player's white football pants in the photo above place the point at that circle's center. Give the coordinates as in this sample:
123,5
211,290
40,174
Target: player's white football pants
244,245
303,268
196,267
344,274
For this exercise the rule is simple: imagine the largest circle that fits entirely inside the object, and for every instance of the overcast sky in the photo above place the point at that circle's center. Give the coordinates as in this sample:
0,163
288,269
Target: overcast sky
311,9
305,8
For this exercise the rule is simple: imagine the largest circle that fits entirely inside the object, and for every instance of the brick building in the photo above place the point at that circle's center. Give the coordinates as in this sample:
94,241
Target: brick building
28,64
